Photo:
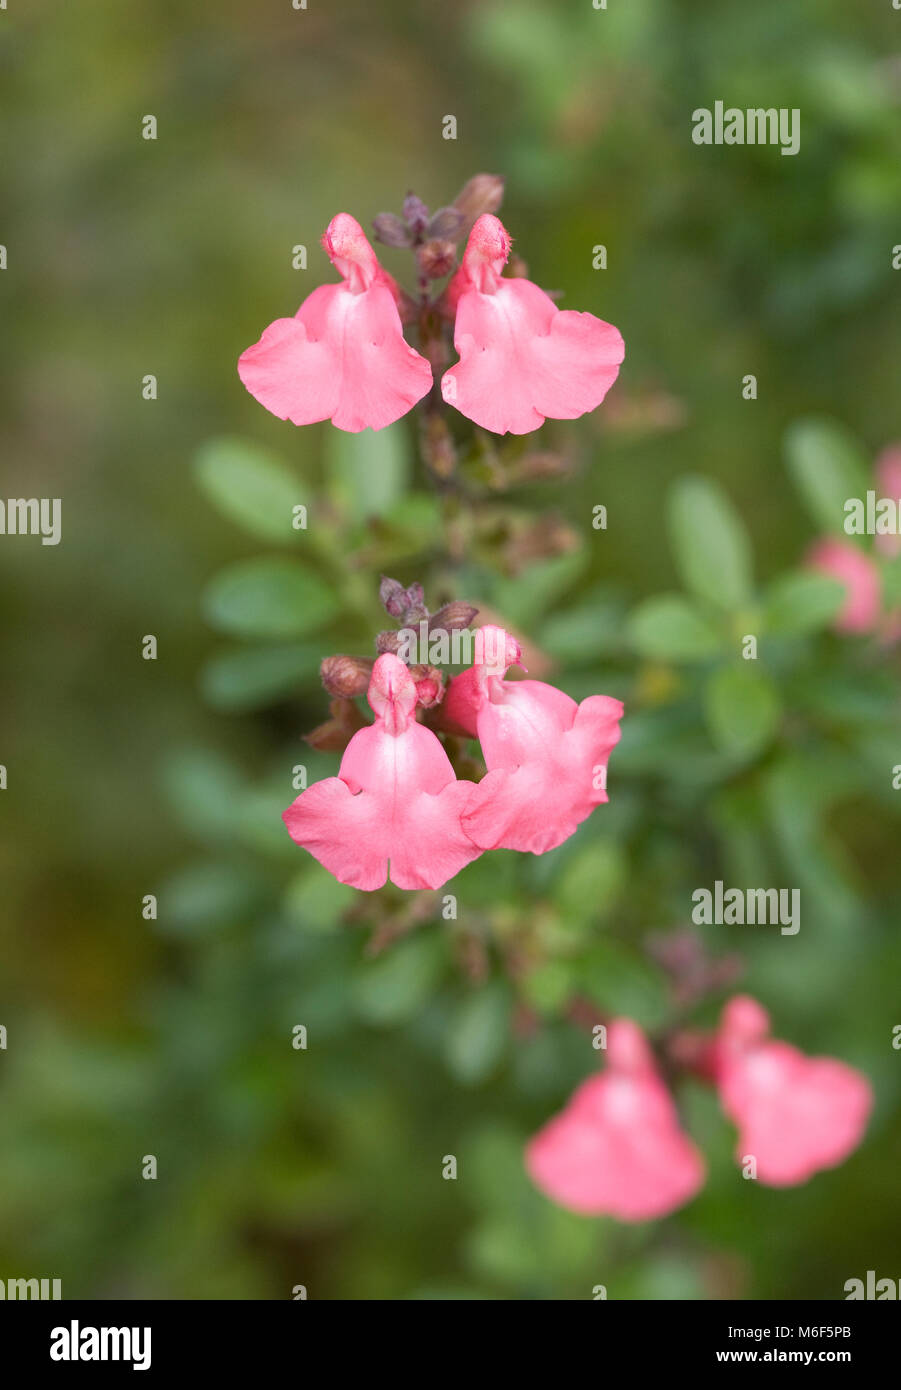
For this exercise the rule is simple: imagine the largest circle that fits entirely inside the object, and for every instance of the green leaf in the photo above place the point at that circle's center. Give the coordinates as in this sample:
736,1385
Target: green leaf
370,471
525,598
672,628
203,787
395,986
316,901
478,1035
579,635
591,880
248,677
269,597
710,544
803,601
249,485
203,897
828,466
743,708
621,981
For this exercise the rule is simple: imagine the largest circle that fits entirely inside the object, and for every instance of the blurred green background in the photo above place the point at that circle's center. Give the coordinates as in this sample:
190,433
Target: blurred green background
126,777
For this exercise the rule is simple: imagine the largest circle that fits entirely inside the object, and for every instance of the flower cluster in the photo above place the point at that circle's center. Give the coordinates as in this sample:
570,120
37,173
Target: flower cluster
397,808
618,1148
343,356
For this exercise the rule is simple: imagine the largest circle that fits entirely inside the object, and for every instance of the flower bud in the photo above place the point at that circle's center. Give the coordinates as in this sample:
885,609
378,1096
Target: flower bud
388,641
335,734
346,676
390,230
429,685
446,224
393,597
483,193
437,259
455,615
416,215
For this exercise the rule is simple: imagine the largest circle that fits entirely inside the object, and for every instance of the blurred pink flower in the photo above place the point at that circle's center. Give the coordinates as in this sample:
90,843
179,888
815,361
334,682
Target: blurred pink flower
617,1148
521,358
343,356
795,1114
858,572
546,756
395,799
888,484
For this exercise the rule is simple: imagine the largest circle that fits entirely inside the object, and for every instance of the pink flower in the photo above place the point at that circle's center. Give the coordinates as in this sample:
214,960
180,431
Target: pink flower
859,574
795,1114
395,799
521,358
343,356
888,484
546,756
617,1148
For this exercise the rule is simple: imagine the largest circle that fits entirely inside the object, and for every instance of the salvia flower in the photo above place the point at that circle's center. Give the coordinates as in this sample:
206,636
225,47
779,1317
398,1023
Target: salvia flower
795,1114
395,806
343,356
855,569
617,1148
546,755
521,358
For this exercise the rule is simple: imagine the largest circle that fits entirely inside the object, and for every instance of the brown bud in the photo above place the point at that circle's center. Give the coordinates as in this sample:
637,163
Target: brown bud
334,735
517,268
346,676
445,224
453,615
483,193
393,597
437,259
390,230
388,641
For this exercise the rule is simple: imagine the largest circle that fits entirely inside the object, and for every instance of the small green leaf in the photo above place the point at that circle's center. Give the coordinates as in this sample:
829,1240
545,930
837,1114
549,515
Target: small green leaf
248,677
395,986
742,707
249,485
591,880
710,543
672,628
828,467
803,601
370,471
269,597
316,901
528,596
478,1035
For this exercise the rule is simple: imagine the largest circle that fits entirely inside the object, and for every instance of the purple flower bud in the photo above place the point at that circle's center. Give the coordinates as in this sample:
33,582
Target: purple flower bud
390,230
446,224
393,597
416,215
